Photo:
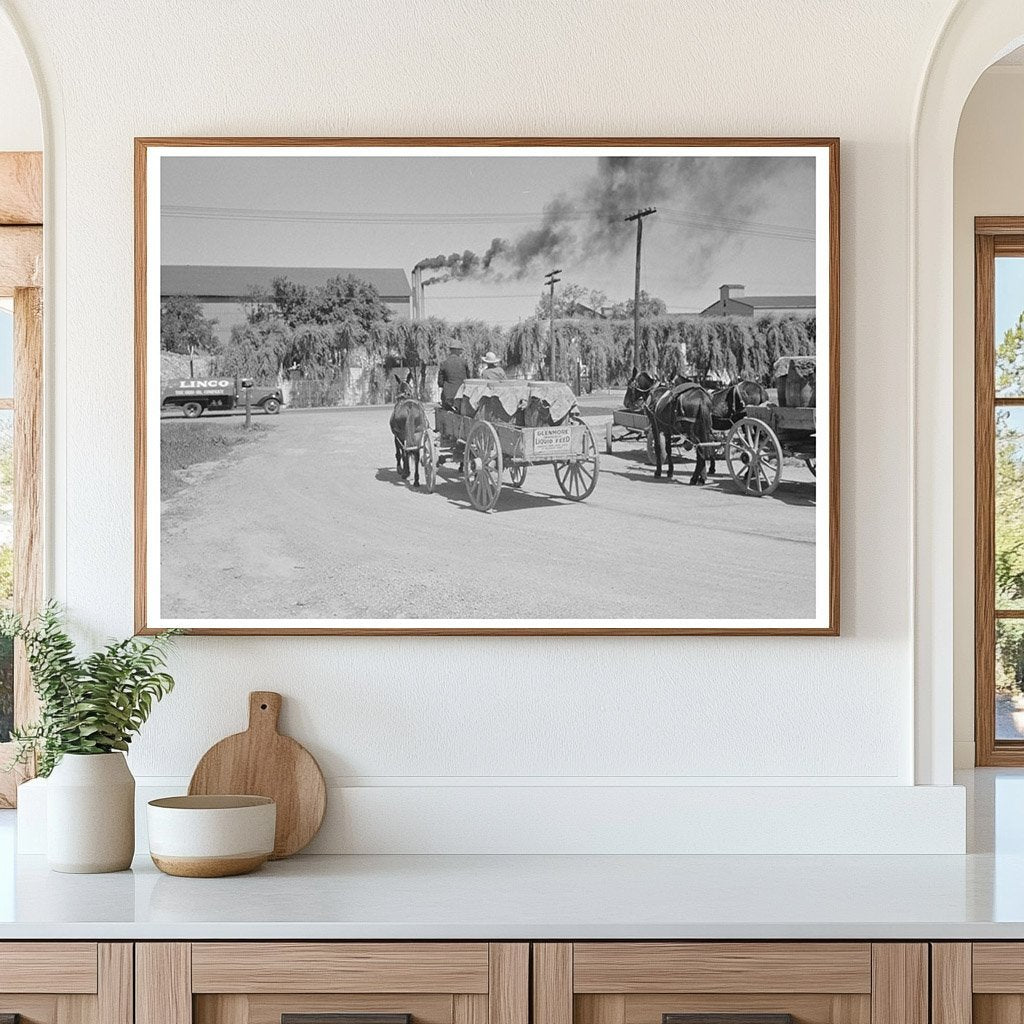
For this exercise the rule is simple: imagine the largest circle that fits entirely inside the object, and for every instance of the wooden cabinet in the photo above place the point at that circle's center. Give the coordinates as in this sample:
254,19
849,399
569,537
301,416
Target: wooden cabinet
751,982
494,983
978,983
66,982
309,982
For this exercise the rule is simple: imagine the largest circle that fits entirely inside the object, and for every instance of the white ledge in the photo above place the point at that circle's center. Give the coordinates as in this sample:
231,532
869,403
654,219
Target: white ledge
543,897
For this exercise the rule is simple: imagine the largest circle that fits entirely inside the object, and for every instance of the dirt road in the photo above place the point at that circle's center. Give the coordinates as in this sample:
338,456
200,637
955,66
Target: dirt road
311,521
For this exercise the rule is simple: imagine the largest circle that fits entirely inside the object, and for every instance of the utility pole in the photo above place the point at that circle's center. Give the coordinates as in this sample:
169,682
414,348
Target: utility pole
551,280
639,218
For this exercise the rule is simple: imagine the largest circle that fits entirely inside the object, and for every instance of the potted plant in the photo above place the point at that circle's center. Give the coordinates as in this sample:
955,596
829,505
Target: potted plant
89,710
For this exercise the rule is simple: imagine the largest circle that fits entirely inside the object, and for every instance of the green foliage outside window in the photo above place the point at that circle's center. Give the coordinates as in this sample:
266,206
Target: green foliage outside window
1009,509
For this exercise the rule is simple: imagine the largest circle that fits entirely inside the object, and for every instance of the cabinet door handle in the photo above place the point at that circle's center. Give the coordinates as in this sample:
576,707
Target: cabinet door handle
337,1018
727,1018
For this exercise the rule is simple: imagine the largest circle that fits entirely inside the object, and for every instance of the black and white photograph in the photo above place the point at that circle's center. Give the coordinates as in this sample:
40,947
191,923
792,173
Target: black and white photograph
463,386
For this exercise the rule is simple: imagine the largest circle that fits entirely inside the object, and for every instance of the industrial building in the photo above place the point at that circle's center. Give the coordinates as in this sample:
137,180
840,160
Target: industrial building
733,302
224,292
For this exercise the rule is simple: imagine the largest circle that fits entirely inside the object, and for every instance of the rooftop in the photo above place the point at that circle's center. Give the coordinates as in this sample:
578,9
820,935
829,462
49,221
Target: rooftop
216,282
776,301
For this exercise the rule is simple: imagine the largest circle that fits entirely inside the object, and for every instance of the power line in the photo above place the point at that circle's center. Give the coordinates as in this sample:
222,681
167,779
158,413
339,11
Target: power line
349,217
680,218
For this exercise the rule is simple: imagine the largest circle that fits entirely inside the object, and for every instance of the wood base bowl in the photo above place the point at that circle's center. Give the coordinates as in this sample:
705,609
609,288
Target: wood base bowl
211,836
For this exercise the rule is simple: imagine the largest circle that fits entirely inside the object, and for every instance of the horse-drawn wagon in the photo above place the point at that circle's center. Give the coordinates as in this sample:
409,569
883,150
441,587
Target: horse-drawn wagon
505,427
757,444
736,422
632,425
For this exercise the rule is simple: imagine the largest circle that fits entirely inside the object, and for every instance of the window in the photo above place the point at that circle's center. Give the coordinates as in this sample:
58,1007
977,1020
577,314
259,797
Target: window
20,503
6,514
999,491
21,366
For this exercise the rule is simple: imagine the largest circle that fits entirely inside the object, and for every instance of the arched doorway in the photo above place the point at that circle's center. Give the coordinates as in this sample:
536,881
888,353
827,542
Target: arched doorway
976,34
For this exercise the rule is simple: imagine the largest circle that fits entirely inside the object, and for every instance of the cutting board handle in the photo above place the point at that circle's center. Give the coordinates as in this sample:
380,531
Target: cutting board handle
264,710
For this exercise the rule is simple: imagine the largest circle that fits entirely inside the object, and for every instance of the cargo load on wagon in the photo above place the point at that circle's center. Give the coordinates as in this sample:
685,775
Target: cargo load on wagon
795,379
524,403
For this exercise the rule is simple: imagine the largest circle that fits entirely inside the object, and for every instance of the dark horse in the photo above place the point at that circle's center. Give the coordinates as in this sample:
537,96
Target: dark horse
641,386
680,409
407,425
638,390
729,406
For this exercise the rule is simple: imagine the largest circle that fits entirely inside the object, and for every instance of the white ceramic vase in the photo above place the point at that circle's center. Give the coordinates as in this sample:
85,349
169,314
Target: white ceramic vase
90,814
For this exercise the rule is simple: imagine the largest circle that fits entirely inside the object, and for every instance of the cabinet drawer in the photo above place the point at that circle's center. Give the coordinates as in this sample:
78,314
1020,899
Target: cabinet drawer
730,983
981,982
66,982
333,983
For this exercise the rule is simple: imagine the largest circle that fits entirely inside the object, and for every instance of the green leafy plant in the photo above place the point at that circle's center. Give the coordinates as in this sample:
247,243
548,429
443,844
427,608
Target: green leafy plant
90,705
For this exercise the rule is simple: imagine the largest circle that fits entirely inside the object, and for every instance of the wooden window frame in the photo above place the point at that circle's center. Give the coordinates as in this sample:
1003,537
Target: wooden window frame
993,237
21,278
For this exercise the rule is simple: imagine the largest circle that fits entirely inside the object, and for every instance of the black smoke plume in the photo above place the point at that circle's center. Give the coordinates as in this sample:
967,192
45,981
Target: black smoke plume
705,201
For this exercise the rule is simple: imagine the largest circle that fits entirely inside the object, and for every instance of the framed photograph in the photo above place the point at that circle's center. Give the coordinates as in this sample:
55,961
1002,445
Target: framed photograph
487,386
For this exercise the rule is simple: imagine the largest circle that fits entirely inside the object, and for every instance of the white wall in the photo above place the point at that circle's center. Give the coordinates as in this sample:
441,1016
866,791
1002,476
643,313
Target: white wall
987,181
432,716
21,127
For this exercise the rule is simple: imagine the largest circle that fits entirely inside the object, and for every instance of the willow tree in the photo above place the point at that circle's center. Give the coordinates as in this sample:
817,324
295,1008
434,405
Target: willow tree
478,338
525,347
254,350
418,342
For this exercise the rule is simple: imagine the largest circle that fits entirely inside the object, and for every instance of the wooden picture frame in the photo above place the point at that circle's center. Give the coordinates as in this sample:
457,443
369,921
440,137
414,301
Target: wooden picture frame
825,619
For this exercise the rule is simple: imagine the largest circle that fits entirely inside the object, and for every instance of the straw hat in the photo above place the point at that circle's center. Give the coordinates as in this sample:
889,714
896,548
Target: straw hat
491,359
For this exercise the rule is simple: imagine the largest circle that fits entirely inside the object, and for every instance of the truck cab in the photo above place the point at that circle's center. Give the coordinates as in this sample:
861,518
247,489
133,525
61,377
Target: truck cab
195,396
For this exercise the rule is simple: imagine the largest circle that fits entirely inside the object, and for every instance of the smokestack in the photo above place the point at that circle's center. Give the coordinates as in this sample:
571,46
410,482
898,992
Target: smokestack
416,298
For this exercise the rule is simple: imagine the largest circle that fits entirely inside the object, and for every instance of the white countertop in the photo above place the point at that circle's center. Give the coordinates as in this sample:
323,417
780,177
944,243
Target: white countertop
516,897
978,896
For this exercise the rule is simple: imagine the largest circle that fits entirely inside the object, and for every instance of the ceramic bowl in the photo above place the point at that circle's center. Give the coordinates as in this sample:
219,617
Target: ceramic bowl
211,836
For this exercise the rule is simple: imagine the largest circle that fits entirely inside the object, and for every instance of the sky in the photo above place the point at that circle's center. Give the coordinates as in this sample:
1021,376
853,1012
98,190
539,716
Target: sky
1009,292
6,354
737,220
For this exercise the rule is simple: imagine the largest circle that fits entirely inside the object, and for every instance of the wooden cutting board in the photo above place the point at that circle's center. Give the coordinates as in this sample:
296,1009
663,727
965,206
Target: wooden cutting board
262,762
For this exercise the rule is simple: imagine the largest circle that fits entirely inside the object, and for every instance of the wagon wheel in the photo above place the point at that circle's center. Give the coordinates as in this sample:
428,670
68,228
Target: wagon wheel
482,466
754,456
428,460
517,474
578,479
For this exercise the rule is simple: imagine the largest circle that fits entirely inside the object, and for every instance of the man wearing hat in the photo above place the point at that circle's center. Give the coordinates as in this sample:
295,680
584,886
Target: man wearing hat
492,368
454,370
